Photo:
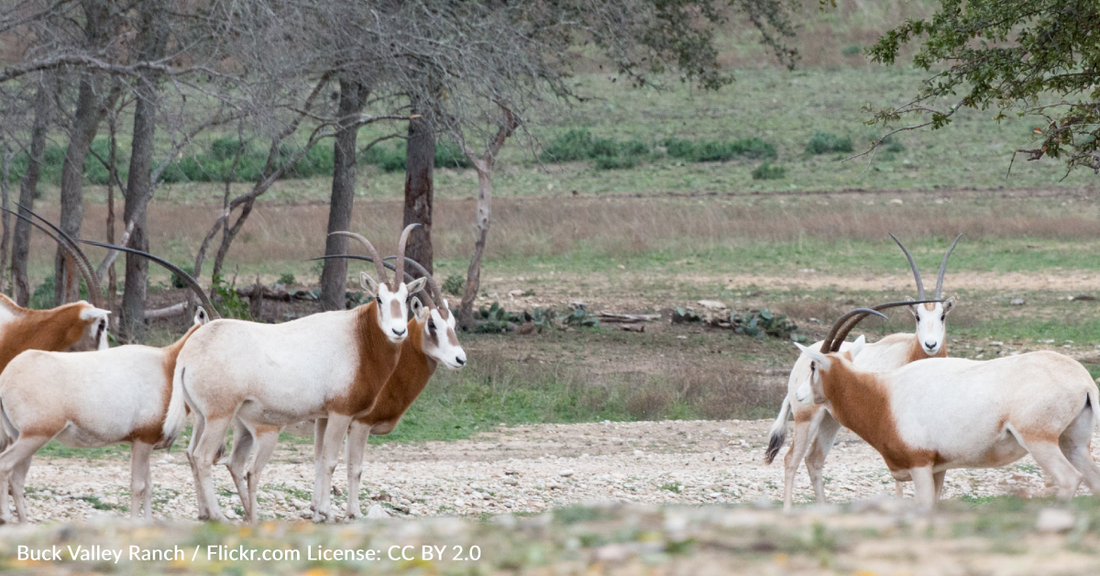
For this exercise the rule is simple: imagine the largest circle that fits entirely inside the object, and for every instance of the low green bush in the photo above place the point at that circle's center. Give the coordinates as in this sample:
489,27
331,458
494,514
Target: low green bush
767,171
824,143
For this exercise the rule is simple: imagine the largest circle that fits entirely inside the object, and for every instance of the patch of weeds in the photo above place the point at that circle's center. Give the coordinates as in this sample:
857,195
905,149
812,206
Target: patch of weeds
228,302
825,142
101,505
851,50
674,486
287,278
768,171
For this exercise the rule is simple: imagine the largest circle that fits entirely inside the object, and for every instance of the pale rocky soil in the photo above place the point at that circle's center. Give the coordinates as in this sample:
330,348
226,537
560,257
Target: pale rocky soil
518,469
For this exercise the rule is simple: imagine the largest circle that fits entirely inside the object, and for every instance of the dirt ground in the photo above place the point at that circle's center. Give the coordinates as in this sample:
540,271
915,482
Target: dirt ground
526,469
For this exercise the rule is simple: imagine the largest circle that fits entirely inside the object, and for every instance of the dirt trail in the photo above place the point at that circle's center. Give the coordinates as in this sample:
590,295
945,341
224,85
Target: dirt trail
518,469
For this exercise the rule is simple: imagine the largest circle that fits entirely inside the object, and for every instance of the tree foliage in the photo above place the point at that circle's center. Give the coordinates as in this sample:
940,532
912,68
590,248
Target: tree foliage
1027,57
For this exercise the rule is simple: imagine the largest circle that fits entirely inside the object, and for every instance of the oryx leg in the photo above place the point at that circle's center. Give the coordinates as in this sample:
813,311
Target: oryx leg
924,486
243,440
21,450
358,434
1075,443
806,422
819,450
18,481
202,459
319,427
140,453
1048,455
335,429
266,439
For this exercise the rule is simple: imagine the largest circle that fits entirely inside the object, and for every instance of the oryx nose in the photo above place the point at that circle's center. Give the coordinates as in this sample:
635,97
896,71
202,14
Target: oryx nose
460,360
400,332
931,344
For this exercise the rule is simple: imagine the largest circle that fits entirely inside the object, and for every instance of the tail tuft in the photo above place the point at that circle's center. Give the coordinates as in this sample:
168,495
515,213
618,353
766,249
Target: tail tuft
778,432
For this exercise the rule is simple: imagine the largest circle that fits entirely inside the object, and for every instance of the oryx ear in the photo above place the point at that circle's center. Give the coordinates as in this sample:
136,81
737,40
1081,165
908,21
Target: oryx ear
857,346
911,308
368,283
804,391
417,308
201,317
416,285
820,359
948,304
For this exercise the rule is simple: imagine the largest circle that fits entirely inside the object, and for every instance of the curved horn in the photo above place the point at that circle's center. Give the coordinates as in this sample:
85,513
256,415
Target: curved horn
839,334
436,293
408,277
95,293
370,248
187,278
943,267
400,272
827,344
913,265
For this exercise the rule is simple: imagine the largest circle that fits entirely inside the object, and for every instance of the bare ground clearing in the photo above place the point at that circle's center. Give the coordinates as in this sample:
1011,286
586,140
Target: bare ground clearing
518,469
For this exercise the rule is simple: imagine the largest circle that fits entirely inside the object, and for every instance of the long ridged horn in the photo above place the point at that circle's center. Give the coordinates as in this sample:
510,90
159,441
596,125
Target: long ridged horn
827,344
840,332
943,267
913,265
187,278
95,293
401,243
433,288
370,248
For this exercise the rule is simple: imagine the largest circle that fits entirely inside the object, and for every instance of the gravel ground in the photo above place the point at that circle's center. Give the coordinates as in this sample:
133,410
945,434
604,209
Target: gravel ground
516,469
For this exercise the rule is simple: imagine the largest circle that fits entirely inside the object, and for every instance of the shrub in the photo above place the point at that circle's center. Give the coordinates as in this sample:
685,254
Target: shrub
715,151
767,171
824,142
454,285
572,146
852,50
616,162
450,155
177,280
288,279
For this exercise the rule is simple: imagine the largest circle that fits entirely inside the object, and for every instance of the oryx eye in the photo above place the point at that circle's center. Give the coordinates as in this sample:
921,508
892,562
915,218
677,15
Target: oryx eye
943,317
378,299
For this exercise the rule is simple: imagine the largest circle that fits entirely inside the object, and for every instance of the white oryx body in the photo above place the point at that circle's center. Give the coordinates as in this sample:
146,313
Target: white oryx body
815,429
89,400
265,376
941,413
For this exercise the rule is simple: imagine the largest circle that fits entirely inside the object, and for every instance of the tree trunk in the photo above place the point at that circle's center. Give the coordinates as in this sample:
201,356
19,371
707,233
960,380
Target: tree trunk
484,169
5,243
28,187
152,38
353,96
419,166
89,113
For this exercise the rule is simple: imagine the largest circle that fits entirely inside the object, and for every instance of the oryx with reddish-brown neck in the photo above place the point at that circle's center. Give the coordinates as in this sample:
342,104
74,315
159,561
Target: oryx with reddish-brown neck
73,327
927,417
815,429
432,341
329,365
92,399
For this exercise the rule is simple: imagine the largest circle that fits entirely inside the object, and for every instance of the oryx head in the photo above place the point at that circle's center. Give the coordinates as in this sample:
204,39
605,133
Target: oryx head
94,325
439,340
931,317
390,297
